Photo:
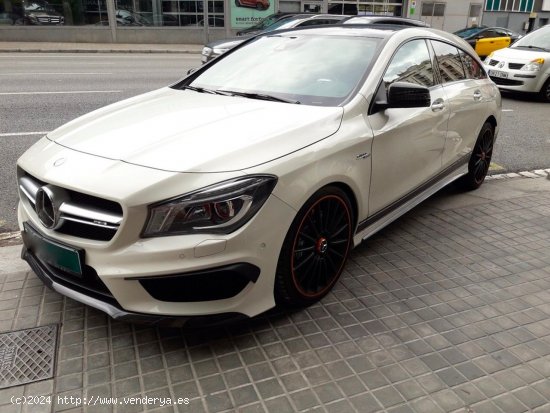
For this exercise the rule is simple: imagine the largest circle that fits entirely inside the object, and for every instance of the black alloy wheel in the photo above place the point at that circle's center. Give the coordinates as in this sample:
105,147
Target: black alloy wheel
315,249
479,163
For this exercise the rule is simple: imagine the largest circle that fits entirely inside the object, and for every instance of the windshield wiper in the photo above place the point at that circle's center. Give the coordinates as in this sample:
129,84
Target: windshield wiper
535,47
204,90
259,96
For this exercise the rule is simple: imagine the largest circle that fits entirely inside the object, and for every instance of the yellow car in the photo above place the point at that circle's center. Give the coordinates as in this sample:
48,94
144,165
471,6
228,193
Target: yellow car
485,40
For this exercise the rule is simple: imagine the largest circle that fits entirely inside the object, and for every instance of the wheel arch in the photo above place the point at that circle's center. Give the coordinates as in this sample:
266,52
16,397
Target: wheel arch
351,195
492,121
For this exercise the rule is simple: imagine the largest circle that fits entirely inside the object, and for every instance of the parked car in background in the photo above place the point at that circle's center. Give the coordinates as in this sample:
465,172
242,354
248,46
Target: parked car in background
219,47
264,24
397,21
485,40
40,12
524,66
248,183
130,18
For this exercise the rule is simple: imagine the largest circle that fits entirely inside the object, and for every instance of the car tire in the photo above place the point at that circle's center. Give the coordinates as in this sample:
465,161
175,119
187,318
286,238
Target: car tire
479,162
545,91
315,249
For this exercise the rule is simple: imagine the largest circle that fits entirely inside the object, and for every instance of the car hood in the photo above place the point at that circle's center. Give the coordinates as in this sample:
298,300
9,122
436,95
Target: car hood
186,131
520,54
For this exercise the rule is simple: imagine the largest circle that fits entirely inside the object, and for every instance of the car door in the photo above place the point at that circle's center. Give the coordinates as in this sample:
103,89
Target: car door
492,40
408,143
466,97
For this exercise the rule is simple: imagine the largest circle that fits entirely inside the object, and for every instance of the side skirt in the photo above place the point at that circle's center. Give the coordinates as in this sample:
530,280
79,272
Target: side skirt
386,216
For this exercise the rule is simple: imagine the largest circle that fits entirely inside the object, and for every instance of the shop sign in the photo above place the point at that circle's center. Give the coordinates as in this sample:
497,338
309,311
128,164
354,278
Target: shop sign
246,13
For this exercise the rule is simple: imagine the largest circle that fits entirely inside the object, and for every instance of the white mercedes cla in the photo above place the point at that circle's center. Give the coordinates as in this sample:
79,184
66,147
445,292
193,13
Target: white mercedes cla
247,183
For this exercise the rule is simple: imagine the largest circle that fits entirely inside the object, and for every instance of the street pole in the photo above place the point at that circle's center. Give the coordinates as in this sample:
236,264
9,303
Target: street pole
111,15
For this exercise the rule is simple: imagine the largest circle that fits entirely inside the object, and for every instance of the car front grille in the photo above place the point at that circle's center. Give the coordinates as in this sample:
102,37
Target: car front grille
52,20
515,66
506,82
493,62
80,215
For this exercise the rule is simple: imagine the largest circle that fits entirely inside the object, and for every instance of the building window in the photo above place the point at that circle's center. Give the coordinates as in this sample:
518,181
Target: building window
430,9
128,13
366,8
522,6
475,10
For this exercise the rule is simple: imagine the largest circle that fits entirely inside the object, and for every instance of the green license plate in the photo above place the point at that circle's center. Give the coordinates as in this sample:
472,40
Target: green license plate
52,252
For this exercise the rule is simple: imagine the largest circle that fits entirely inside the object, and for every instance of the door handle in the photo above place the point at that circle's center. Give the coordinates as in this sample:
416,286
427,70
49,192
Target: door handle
477,95
438,105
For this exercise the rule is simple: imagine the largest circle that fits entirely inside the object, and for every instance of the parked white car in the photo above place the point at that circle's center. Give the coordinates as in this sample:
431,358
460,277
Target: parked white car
524,66
248,183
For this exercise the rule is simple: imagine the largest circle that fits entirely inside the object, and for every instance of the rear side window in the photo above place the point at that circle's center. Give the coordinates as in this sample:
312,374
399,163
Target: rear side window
411,63
472,67
449,62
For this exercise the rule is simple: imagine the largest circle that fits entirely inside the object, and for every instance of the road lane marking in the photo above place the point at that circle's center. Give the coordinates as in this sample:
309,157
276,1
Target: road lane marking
54,73
57,93
507,110
21,134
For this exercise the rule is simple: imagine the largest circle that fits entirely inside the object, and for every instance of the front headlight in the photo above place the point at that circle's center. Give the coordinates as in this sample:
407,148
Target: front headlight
219,209
533,65
488,58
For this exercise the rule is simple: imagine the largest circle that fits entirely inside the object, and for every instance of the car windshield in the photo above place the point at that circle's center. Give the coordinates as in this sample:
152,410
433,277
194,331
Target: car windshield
468,32
539,39
304,68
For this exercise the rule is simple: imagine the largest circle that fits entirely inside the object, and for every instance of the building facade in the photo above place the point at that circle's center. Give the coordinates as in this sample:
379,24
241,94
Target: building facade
517,15
197,21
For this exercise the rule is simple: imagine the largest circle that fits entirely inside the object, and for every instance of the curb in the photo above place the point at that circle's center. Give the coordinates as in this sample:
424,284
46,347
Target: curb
537,173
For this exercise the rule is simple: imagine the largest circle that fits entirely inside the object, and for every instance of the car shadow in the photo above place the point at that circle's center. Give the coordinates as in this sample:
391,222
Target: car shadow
521,96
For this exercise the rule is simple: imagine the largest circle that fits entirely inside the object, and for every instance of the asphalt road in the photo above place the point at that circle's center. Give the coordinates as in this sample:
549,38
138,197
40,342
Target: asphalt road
39,92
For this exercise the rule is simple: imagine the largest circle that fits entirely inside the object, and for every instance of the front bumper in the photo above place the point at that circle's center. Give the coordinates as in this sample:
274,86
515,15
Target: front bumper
140,276
517,80
111,308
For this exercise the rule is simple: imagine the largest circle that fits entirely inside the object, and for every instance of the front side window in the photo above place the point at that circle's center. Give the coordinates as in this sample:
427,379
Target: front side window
449,62
311,69
411,63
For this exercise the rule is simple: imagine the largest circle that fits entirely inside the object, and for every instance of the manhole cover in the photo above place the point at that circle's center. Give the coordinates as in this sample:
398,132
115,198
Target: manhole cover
27,355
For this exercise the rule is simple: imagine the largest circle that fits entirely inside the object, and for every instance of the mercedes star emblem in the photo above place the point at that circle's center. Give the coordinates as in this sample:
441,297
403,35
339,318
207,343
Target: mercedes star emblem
45,207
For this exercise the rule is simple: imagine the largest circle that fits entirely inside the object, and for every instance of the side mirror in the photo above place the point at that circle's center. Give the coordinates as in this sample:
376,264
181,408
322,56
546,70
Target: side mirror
408,95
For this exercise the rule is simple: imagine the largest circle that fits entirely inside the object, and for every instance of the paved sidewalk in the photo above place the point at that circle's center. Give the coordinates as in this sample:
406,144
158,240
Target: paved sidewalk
445,310
32,47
